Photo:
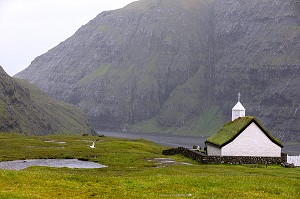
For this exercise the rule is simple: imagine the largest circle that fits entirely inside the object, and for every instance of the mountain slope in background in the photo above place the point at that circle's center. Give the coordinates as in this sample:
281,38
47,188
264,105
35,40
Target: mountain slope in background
26,109
177,65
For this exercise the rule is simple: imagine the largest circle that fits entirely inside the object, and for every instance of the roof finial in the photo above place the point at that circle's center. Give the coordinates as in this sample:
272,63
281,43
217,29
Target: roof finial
239,96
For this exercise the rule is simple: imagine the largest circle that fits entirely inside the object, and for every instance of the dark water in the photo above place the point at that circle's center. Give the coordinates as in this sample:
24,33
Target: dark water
184,141
161,139
59,163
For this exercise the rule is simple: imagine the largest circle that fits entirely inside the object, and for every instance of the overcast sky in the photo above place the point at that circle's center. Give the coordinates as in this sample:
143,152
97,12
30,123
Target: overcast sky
29,28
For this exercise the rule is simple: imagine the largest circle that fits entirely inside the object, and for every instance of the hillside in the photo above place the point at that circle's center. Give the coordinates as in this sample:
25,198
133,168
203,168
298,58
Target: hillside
177,65
27,110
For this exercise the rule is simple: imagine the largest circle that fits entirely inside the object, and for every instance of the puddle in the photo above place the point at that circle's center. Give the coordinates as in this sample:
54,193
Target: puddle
58,163
52,141
162,162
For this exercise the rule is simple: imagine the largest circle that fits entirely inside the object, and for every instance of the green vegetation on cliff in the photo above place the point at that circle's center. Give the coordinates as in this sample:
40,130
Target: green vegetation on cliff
177,65
26,109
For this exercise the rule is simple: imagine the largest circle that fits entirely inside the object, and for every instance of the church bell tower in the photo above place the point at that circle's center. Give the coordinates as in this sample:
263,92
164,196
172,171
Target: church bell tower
238,110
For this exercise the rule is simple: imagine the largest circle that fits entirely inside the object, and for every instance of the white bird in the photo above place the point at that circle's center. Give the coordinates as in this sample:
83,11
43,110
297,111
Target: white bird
93,145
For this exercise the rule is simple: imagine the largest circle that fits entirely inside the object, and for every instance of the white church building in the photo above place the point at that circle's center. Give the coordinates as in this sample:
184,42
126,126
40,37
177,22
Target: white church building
243,136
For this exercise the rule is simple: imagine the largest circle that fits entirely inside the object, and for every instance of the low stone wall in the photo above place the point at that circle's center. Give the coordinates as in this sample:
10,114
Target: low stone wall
204,159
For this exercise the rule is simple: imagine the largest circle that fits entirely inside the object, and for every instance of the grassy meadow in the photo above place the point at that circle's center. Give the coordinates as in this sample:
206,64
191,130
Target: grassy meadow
131,173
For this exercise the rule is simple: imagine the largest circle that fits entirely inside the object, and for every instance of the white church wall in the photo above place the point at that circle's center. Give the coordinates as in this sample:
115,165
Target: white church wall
252,142
213,151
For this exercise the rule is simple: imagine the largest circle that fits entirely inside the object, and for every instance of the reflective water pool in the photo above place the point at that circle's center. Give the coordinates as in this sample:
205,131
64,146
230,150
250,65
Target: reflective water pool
59,163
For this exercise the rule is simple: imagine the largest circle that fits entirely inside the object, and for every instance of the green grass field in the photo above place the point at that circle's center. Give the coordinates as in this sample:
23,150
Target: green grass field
129,173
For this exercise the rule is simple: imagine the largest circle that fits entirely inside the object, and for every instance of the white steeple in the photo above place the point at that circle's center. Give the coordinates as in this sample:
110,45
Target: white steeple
238,110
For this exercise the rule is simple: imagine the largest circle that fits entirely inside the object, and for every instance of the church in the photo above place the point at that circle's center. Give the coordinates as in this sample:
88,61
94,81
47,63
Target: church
243,136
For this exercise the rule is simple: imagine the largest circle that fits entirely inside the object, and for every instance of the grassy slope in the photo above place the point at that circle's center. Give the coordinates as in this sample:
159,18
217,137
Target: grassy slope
189,118
25,109
65,118
129,175
205,126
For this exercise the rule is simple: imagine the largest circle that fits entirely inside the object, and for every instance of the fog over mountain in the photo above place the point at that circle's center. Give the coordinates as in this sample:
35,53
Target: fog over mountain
177,65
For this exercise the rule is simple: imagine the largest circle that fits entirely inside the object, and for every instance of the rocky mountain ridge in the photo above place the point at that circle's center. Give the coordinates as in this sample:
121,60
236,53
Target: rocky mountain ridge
27,110
177,65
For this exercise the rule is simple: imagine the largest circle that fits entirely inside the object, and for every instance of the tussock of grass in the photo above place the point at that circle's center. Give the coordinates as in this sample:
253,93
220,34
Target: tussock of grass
129,175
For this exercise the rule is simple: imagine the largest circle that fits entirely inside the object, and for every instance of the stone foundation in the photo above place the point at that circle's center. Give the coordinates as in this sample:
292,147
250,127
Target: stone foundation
205,159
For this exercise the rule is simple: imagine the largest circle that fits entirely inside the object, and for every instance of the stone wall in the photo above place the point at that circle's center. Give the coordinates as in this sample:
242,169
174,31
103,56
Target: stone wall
205,159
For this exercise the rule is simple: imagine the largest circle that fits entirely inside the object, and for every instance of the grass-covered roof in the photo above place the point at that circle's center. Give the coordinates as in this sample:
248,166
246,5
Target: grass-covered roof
234,128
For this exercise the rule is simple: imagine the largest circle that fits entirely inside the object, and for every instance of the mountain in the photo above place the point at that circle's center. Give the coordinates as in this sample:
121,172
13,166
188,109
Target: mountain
27,110
177,65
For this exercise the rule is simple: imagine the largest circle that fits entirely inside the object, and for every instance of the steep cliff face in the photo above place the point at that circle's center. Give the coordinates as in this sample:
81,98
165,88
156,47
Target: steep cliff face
27,110
176,65
121,67
260,57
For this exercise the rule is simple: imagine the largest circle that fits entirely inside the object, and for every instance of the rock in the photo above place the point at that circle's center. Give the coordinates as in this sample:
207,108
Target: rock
287,165
177,66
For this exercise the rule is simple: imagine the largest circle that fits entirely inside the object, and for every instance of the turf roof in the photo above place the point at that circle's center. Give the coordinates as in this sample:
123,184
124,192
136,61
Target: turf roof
234,128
